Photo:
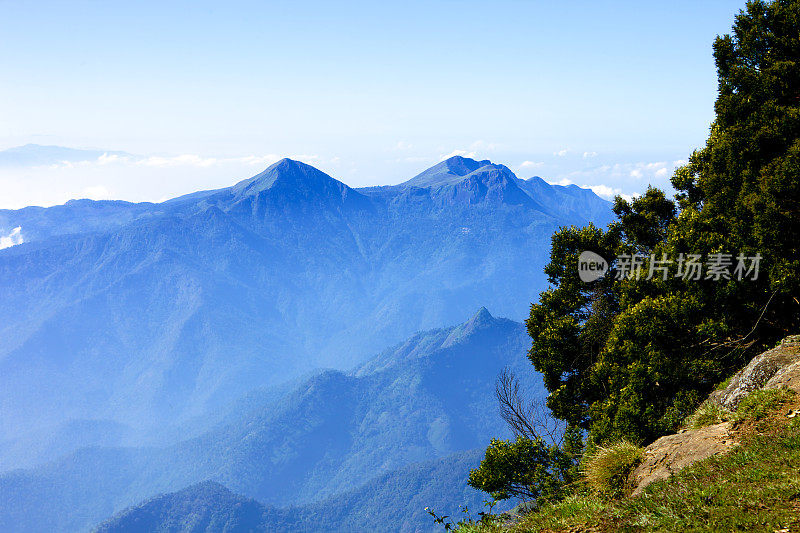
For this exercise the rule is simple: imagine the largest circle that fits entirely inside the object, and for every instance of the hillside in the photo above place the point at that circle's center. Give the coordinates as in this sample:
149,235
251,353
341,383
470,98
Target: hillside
735,467
425,399
745,478
393,502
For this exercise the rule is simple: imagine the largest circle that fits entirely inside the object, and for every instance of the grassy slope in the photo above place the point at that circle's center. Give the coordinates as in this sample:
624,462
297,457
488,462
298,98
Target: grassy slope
754,488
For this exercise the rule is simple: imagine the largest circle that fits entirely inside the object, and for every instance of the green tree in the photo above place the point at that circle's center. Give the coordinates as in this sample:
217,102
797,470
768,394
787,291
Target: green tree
570,324
529,469
630,357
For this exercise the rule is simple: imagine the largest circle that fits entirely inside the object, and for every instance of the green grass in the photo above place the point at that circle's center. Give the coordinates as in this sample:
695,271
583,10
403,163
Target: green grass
759,403
756,487
755,406
724,384
708,414
607,469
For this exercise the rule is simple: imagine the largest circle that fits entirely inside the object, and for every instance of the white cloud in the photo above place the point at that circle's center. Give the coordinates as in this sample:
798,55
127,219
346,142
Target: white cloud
561,153
530,164
402,145
587,155
656,168
182,160
563,182
107,159
462,153
96,192
609,192
603,190
71,164
484,146
106,175
12,239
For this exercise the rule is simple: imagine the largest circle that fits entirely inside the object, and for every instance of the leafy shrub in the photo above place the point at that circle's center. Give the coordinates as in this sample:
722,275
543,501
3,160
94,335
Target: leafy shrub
608,467
708,414
529,469
759,403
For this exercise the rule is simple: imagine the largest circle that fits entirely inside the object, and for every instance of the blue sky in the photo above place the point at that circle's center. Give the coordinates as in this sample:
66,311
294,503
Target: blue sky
602,94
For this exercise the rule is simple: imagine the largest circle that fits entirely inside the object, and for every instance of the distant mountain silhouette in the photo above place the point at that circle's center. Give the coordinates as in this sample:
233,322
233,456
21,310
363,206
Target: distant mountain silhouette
447,172
407,421
156,316
204,507
38,155
392,502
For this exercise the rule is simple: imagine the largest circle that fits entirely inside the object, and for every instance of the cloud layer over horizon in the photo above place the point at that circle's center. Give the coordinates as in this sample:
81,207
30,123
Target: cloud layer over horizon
52,175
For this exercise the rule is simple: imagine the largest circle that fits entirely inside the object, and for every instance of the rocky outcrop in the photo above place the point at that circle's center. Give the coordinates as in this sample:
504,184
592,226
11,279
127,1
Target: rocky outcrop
672,453
778,367
767,370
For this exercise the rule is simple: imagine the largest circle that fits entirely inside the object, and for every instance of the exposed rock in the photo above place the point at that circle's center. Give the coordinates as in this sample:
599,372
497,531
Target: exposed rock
672,453
778,367
771,369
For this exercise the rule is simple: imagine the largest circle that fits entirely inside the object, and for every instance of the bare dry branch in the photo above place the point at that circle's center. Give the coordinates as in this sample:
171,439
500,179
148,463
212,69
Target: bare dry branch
526,418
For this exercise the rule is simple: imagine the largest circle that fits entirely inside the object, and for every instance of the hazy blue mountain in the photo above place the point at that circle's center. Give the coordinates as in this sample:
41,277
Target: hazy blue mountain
148,347
423,400
74,217
566,200
30,449
155,315
37,154
205,507
447,172
395,501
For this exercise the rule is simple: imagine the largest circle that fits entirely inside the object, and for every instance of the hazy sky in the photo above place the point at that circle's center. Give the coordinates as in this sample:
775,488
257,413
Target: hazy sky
605,94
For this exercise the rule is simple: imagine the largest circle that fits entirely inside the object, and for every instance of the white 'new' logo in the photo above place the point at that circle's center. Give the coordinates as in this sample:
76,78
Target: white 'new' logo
591,266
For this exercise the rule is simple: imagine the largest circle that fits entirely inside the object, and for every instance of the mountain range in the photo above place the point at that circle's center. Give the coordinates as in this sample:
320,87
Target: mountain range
149,347
184,306
334,437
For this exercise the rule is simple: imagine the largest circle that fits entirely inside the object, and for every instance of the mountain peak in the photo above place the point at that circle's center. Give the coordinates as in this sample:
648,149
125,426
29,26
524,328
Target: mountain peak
288,174
460,181
449,171
481,320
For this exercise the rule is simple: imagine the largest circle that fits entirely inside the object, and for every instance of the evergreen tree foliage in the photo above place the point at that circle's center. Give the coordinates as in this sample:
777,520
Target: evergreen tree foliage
528,468
629,356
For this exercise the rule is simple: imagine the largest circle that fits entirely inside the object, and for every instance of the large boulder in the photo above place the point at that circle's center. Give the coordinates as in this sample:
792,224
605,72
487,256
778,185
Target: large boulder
672,453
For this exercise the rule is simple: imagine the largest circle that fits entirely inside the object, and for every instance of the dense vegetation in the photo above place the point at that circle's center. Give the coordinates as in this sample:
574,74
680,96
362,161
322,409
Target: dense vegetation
629,356
754,488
